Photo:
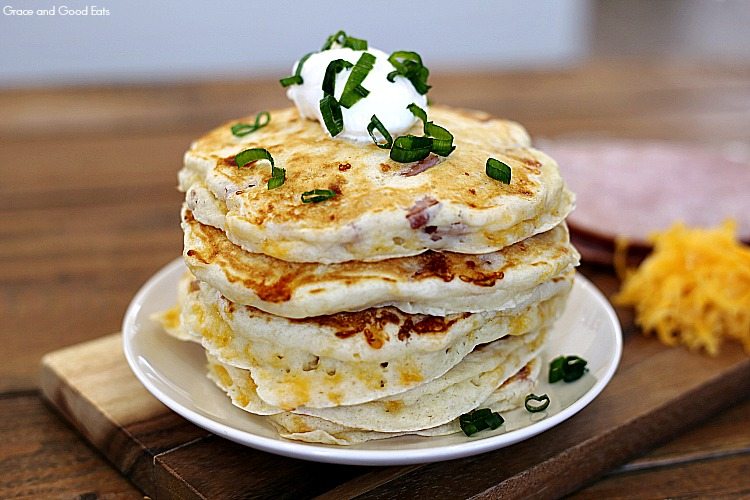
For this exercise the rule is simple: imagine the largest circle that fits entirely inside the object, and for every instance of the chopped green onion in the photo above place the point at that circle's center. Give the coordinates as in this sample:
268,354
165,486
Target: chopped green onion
353,90
574,368
251,155
261,120
337,37
494,420
543,401
497,170
442,143
341,38
409,148
296,78
278,176
418,112
355,43
329,79
479,420
567,368
402,58
332,117
475,414
376,124
468,428
317,195
409,65
556,369
291,80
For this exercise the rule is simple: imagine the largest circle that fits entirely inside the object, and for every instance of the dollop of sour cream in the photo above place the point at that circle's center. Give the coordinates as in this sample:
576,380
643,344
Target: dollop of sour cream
387,100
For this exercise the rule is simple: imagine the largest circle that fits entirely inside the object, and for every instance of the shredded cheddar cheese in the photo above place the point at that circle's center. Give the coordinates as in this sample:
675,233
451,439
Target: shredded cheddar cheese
694,288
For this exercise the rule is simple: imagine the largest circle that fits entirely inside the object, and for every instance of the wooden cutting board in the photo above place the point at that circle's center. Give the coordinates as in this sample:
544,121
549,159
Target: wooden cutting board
656,393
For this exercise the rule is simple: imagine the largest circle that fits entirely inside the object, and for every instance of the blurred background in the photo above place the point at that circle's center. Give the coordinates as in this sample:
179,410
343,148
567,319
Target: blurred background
145,41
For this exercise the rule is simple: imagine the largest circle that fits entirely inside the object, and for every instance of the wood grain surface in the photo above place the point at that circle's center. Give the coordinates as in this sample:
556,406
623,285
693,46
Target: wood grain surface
167,457
89,212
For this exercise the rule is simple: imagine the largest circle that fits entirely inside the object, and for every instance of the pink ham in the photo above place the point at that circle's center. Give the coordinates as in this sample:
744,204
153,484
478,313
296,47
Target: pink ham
418,216
631,188
422,165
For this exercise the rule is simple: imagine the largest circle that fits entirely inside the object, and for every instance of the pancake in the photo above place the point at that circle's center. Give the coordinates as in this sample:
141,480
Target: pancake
463,388
382,209
436,283
347,358
508,396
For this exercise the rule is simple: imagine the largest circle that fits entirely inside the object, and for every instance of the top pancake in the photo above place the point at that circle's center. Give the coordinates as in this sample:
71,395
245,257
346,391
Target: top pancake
382,209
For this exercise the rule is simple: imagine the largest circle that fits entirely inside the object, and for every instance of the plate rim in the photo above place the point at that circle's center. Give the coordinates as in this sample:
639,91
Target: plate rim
335,454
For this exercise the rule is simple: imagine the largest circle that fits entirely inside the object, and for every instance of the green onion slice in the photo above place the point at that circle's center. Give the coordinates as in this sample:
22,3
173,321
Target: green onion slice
409,65
278,176
329,79
341,38
418,112
556,369
442,143
291,80
355,43
567,368
402,58
337,37
376,124
497,170
574,368
251,155
296,78
317,195
479,420
540,403
409,148
353,90
261,120
332,117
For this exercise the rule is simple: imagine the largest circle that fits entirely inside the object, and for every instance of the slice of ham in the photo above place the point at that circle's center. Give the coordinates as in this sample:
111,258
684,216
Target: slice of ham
631,188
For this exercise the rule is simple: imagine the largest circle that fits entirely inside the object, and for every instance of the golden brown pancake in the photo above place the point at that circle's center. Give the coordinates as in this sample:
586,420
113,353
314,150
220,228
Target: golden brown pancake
436,283
381,209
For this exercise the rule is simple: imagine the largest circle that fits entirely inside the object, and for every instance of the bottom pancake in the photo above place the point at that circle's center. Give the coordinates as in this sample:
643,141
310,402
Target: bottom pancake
509,395
481,379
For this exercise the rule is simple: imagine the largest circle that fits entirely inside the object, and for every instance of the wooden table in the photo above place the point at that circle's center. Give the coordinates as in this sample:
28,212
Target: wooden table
90,211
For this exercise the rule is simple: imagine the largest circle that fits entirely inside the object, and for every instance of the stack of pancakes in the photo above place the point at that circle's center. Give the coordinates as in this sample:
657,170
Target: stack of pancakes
418,293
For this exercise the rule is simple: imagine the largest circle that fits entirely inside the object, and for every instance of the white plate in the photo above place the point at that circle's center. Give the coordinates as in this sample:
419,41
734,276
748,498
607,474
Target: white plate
174,372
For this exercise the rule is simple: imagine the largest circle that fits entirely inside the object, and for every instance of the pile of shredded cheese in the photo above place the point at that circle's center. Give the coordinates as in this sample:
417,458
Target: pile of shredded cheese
693,289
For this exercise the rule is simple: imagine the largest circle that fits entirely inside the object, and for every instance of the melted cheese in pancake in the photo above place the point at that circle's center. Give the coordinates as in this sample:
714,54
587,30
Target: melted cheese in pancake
382,209
494,376
348,358
510,395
